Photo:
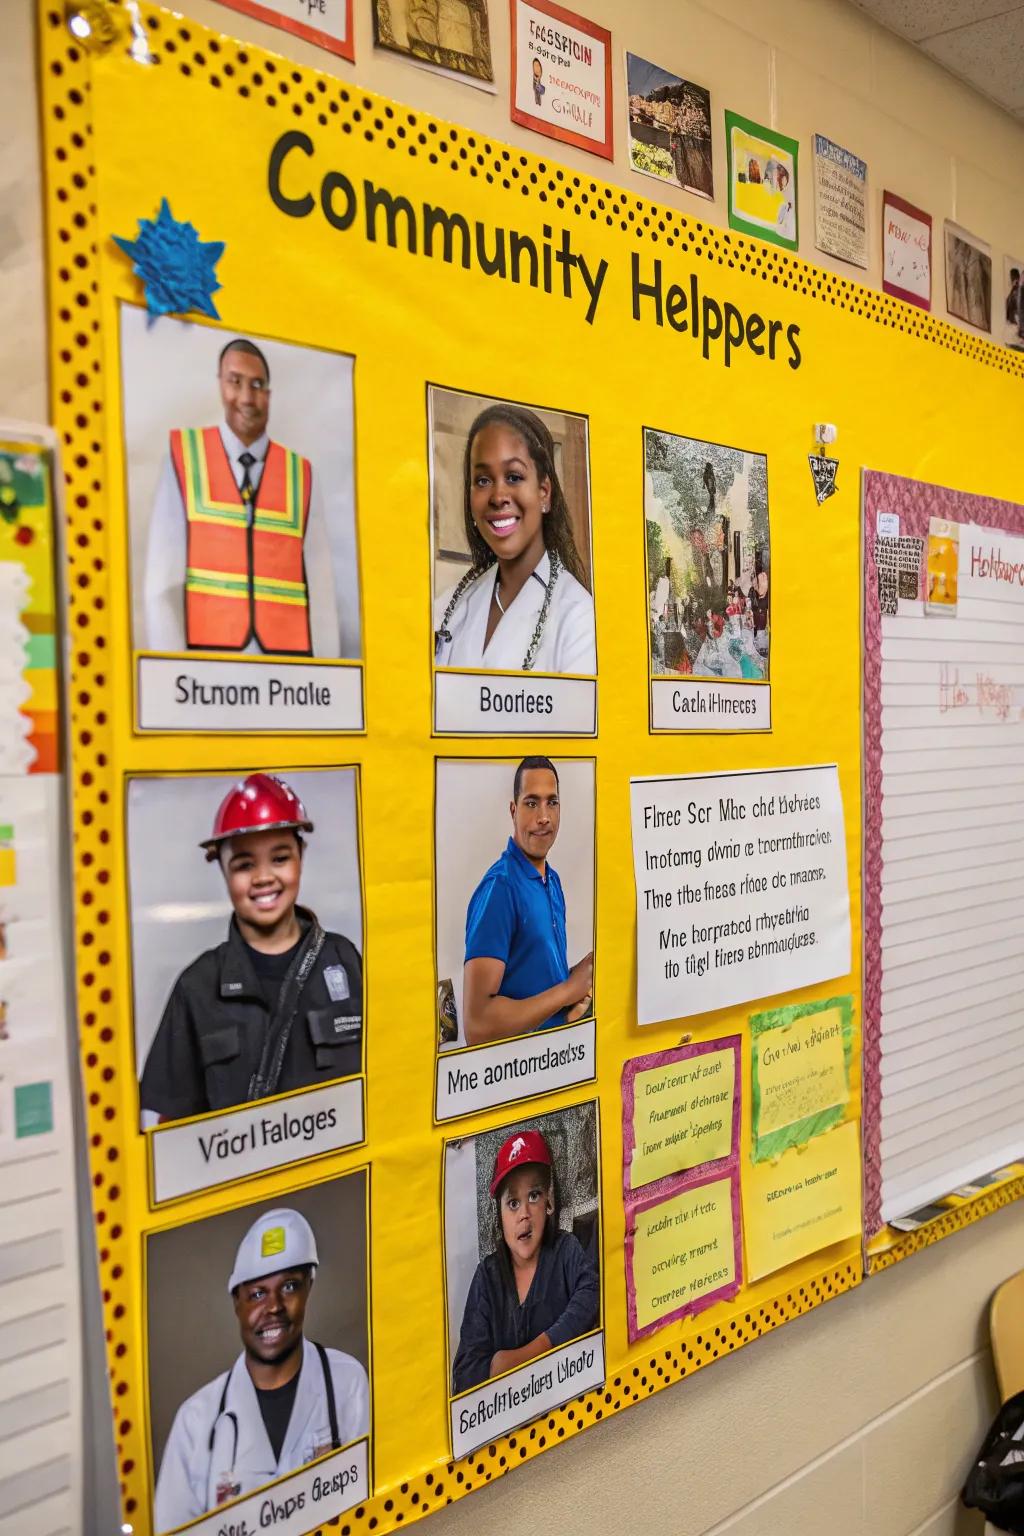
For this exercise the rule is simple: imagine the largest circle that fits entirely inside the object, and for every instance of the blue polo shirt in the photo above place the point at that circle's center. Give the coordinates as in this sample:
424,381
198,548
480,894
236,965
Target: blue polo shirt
518,917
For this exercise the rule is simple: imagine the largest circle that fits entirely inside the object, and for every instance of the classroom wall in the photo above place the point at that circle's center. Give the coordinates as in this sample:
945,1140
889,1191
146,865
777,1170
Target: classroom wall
861,1417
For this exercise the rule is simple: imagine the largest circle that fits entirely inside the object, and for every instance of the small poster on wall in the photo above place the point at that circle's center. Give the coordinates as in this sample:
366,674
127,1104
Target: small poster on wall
906,251
762,181
669,127
840,202
968,277
452,35
1012,324
562,75
325,23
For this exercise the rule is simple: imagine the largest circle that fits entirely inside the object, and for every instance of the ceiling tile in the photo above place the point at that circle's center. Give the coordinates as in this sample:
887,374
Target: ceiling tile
989,56
918,19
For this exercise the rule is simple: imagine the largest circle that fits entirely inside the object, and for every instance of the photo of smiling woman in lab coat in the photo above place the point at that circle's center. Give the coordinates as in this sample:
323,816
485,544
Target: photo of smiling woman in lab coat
524,604
286,1399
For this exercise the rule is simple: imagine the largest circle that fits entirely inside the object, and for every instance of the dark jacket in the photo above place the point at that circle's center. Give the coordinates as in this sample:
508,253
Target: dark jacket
562,1302
215,1027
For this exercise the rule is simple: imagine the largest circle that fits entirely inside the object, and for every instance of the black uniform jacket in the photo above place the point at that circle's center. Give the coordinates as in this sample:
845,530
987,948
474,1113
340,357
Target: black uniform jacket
214,1027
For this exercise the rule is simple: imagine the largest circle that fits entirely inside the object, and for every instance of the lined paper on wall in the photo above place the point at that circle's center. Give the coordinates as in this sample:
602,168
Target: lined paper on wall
952,888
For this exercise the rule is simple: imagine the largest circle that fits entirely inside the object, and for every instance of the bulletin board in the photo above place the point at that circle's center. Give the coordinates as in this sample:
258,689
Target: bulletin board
313,211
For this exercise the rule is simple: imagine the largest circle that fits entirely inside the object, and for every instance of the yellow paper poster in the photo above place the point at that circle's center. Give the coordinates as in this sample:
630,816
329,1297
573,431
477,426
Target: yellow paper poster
682,1253
806,1201
681,1112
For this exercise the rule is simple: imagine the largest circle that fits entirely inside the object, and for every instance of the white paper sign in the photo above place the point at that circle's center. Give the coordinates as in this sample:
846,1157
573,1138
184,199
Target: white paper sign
487,1075
497,704
186,693
327,23
220,1148
498,1406
741,887
561,73
906,252
704,706
299,1503
991,565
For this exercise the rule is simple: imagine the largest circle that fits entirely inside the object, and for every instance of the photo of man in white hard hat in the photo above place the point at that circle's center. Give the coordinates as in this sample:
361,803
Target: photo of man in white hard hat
284,1402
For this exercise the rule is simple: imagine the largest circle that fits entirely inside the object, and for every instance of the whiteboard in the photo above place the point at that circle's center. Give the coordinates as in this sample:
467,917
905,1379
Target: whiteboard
943,847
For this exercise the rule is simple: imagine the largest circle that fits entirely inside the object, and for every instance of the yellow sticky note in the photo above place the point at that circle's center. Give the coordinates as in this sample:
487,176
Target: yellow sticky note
806,1201
801,1070
682,1115
683,1249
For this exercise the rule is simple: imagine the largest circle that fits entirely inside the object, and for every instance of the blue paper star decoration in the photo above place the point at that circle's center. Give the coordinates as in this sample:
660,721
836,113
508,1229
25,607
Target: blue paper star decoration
176,267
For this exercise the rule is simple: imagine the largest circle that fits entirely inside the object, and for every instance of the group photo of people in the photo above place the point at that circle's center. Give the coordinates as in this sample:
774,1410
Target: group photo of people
247,936
271,1371
708,559
514,872
522,1242
239,466
512,580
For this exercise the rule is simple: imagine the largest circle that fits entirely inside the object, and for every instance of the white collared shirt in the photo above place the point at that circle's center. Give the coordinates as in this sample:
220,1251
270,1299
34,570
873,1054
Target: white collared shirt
568,642
167,555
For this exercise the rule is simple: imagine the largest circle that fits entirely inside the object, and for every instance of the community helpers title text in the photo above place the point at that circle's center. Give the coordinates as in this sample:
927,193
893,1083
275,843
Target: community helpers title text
553,263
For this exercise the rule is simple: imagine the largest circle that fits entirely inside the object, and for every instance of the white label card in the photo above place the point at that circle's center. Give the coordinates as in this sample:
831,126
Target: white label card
741,887
498,1406
487,1075
201,1154
189,693
497,704
706,706
299,1503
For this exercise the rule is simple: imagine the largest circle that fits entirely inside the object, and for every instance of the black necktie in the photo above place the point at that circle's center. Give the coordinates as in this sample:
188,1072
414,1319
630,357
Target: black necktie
247,460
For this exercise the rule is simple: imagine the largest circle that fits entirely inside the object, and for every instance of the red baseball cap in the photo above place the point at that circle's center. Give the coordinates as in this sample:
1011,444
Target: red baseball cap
522,1148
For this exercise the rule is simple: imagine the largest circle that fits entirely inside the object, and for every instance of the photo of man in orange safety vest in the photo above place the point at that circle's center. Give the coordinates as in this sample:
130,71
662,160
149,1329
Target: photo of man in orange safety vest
238,557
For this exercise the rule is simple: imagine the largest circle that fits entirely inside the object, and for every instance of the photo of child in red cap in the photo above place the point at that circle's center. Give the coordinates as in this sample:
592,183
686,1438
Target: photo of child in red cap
538,1287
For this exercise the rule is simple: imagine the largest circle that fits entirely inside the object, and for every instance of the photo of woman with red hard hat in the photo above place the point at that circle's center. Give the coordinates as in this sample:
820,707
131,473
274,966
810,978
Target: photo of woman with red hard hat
276,1003
522,1259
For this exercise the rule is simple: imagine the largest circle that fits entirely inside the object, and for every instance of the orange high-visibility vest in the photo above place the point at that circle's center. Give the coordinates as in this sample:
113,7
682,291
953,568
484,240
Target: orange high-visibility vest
243,580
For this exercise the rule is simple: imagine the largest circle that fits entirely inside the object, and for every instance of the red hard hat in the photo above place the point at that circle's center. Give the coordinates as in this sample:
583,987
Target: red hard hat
522,1148
260,803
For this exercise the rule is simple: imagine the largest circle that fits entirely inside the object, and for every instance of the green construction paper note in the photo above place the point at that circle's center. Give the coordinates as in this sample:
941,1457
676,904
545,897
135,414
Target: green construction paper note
800,1067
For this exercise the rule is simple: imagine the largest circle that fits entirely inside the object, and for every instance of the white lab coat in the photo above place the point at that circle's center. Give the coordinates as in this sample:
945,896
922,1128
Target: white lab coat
568,643
166,556
190,1472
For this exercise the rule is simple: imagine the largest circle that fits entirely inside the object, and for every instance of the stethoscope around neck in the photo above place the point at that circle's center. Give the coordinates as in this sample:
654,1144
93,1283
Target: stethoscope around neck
224,1412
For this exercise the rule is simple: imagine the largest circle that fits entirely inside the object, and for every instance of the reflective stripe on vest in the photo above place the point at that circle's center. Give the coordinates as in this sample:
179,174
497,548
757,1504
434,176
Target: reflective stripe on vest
242,581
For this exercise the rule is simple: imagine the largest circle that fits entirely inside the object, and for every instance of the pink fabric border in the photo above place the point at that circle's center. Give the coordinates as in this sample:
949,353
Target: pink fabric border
657,1194
916,502
664,1059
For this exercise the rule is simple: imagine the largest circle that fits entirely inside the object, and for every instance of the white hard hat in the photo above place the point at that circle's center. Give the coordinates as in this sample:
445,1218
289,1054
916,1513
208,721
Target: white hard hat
281,1239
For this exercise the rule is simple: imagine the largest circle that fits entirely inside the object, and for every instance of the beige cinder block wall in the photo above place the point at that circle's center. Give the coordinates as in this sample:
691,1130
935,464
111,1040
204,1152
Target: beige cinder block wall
860,1419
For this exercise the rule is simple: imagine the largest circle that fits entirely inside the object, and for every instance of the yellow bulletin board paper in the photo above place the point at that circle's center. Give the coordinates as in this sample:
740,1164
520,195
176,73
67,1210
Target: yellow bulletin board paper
682,1252
806,1201
800,1073
679,1109
363,272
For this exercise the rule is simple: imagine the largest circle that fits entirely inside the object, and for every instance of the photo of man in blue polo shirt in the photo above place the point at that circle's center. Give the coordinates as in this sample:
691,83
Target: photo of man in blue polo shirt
517,976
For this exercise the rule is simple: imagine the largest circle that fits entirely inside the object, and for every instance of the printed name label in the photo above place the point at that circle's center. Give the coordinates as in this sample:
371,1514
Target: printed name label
254,1139
488,1075
298,1503
703,706
188,693
495,704
499,1406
